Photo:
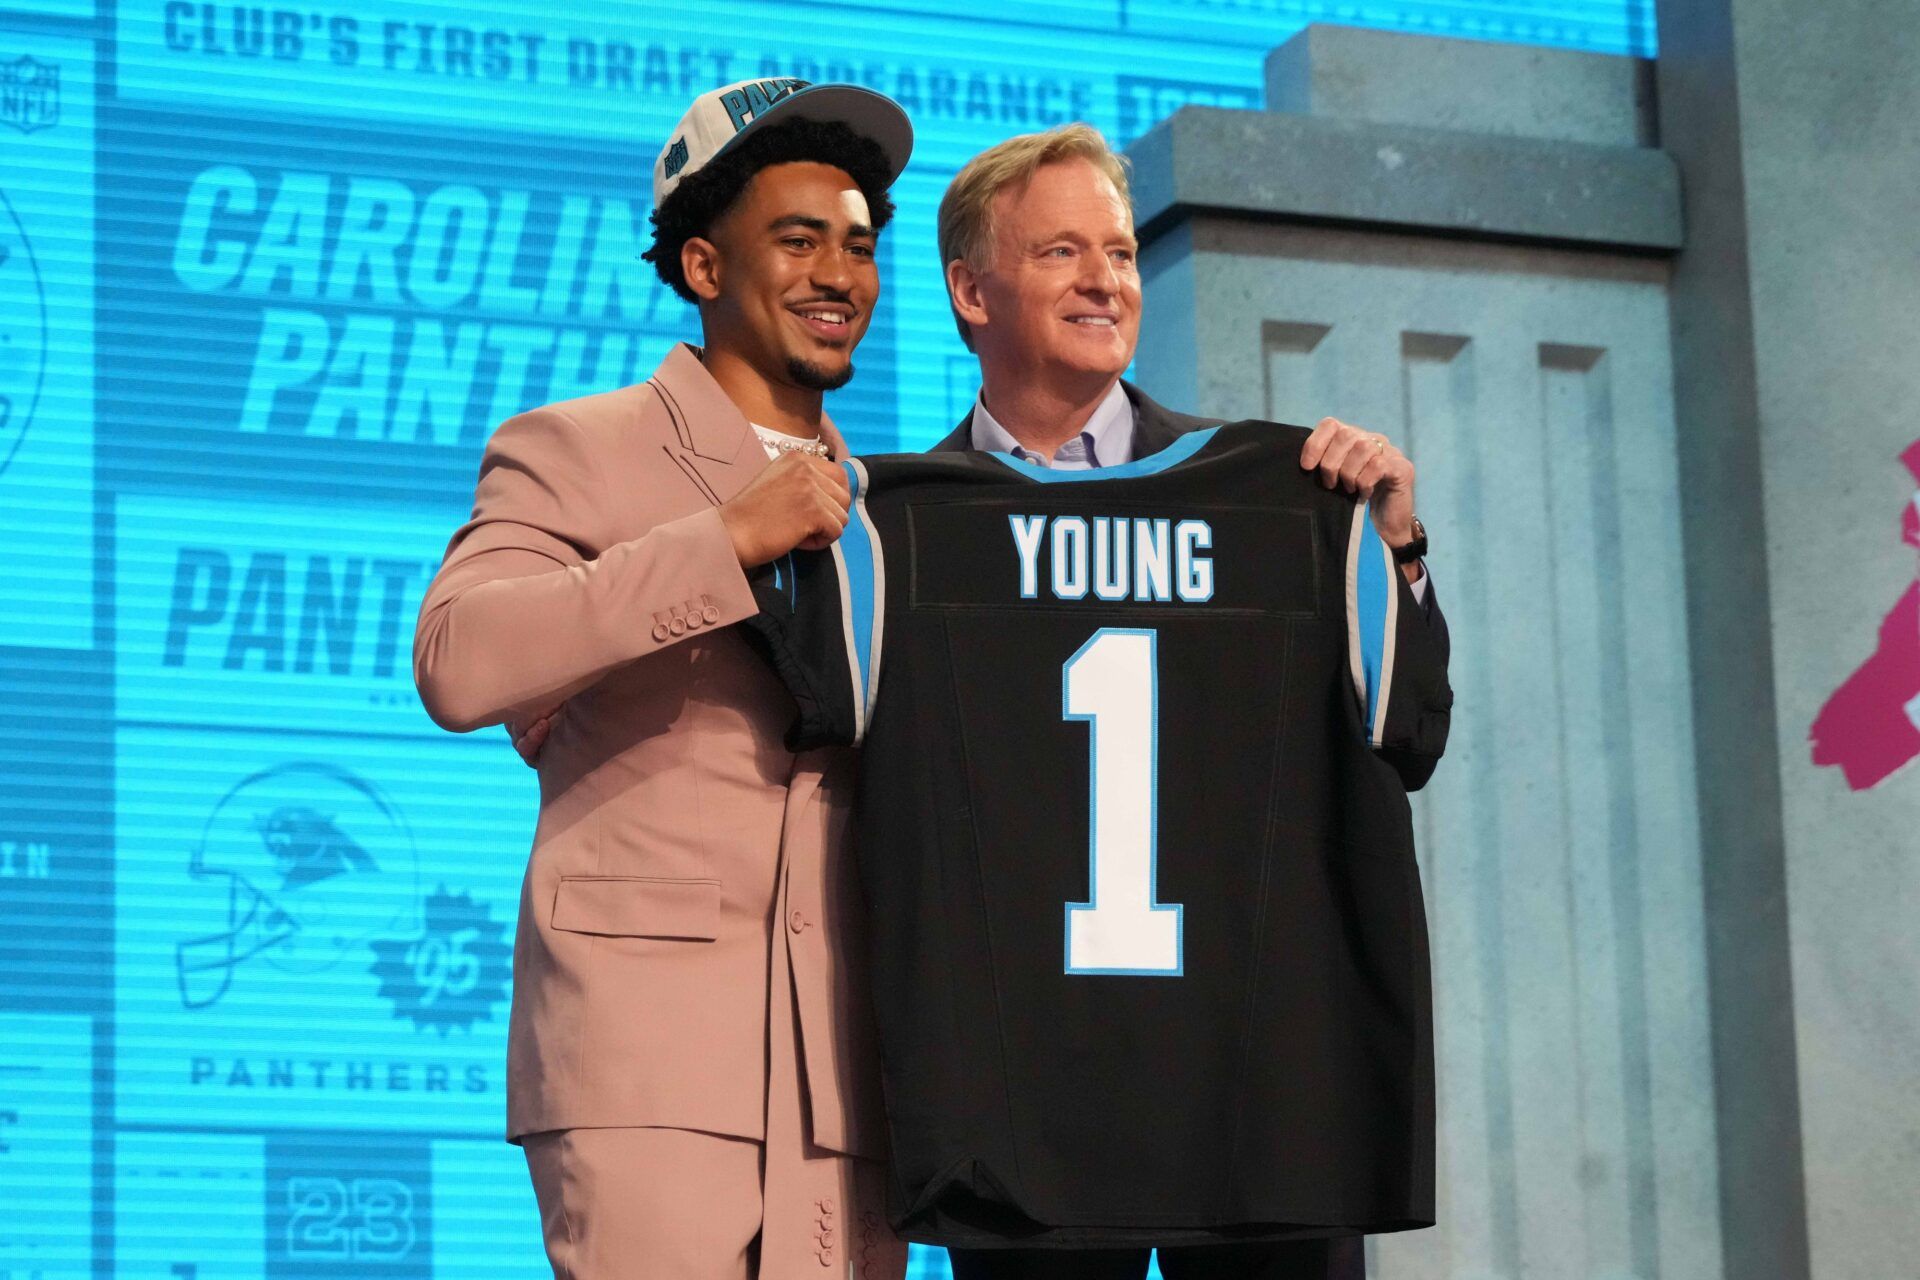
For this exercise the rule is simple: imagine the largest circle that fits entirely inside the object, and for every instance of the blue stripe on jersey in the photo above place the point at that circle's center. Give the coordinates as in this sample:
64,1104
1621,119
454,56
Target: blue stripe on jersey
1179,451
857,547
1371,603
1373,616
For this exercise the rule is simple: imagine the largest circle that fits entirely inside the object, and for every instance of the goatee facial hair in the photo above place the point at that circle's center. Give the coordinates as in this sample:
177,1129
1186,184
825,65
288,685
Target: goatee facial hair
814,378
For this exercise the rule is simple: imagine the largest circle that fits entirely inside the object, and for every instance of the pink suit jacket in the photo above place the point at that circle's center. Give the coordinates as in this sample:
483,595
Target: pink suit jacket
596,570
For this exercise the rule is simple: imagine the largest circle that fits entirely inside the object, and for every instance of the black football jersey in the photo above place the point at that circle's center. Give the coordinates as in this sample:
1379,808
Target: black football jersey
1149,955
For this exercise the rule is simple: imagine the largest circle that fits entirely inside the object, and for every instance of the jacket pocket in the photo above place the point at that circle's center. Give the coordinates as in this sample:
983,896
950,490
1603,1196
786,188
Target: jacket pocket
638,907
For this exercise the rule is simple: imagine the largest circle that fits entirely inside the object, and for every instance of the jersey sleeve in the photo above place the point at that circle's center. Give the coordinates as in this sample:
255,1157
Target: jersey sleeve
822,626
1397,658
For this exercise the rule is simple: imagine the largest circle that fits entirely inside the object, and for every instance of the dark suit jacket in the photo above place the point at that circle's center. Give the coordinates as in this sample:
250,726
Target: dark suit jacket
1154,428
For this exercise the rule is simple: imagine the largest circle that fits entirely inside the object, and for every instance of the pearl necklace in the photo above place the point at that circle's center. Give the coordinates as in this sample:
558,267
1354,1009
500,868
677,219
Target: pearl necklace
812,448
784,443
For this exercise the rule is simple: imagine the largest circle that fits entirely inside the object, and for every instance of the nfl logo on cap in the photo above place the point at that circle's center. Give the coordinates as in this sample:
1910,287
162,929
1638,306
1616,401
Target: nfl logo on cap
676,157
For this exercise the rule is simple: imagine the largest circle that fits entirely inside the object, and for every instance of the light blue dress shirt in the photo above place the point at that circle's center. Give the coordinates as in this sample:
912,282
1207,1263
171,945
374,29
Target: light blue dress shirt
1106,440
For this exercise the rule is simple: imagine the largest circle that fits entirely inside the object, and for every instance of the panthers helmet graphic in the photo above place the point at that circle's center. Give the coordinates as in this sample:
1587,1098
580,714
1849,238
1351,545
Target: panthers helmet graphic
314,862
23,333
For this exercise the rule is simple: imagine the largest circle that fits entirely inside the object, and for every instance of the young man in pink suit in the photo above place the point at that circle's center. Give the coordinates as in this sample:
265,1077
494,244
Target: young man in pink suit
690,1064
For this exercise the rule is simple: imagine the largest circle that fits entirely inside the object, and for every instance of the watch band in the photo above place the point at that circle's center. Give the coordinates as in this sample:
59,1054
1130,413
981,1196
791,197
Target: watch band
1408,552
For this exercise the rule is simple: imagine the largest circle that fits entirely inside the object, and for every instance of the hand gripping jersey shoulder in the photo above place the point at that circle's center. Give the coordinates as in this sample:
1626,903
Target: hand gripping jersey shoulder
1149,956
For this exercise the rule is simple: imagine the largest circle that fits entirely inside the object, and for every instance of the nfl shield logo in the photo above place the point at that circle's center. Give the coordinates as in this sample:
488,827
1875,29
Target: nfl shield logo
29,94
676,157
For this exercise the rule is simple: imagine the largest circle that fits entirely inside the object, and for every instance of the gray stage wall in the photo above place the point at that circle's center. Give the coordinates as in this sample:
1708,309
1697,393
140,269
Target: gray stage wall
1648,332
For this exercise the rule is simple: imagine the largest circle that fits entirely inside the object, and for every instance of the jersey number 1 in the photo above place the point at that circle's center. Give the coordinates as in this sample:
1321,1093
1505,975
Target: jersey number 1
1113,683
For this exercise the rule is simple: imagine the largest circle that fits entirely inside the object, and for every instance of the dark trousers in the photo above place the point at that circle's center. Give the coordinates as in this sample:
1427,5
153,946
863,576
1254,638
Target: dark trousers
1340,1259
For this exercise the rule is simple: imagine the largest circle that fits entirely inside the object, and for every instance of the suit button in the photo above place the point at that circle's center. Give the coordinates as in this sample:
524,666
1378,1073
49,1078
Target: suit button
710,614
797,922
693,620
826,1257
826,1206
678,626
659,631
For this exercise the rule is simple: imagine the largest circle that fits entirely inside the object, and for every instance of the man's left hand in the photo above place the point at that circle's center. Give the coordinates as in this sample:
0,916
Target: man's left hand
1365,462
531,734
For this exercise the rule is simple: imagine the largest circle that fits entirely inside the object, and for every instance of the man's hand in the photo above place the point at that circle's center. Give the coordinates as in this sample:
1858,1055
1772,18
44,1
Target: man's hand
531,735
798,501
1366,463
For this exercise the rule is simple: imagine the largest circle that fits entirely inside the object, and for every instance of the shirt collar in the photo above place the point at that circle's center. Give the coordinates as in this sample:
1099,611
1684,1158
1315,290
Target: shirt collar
1105,441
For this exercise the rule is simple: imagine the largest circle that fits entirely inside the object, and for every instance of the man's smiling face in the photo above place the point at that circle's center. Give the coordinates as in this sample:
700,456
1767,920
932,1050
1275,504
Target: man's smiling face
797,275
1063,290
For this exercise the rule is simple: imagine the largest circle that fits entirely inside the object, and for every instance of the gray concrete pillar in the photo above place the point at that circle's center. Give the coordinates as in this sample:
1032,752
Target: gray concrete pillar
1673,860
1797,317
1467,246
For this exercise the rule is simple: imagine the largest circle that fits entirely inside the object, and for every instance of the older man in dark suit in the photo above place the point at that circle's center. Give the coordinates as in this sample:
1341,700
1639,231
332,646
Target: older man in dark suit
1038,239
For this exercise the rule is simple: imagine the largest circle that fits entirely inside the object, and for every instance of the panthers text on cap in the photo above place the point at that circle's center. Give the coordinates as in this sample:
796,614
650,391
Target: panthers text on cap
748,101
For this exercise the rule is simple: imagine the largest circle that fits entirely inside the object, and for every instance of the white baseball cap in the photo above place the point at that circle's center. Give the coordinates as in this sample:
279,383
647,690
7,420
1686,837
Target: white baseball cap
721,117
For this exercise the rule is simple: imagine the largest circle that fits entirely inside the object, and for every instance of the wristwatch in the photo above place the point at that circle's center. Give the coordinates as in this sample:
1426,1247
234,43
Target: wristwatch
1408,552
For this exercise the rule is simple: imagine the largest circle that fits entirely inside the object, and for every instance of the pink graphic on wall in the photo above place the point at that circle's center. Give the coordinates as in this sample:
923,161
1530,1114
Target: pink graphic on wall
1870,727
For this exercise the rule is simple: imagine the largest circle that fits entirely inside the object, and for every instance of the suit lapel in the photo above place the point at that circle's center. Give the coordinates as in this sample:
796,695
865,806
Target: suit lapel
961,437
707,434
1155,426
709,439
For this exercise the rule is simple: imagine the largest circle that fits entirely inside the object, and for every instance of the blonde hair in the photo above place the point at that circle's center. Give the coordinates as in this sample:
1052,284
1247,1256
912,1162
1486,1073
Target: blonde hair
966,211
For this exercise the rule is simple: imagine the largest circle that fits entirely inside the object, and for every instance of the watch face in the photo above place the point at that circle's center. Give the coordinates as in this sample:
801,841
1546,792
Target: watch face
23,334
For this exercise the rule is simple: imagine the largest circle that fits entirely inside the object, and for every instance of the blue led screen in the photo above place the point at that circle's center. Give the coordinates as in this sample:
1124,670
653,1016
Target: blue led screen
268,278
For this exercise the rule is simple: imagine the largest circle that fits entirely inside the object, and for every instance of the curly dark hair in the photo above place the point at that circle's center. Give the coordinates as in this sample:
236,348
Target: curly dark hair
705,196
